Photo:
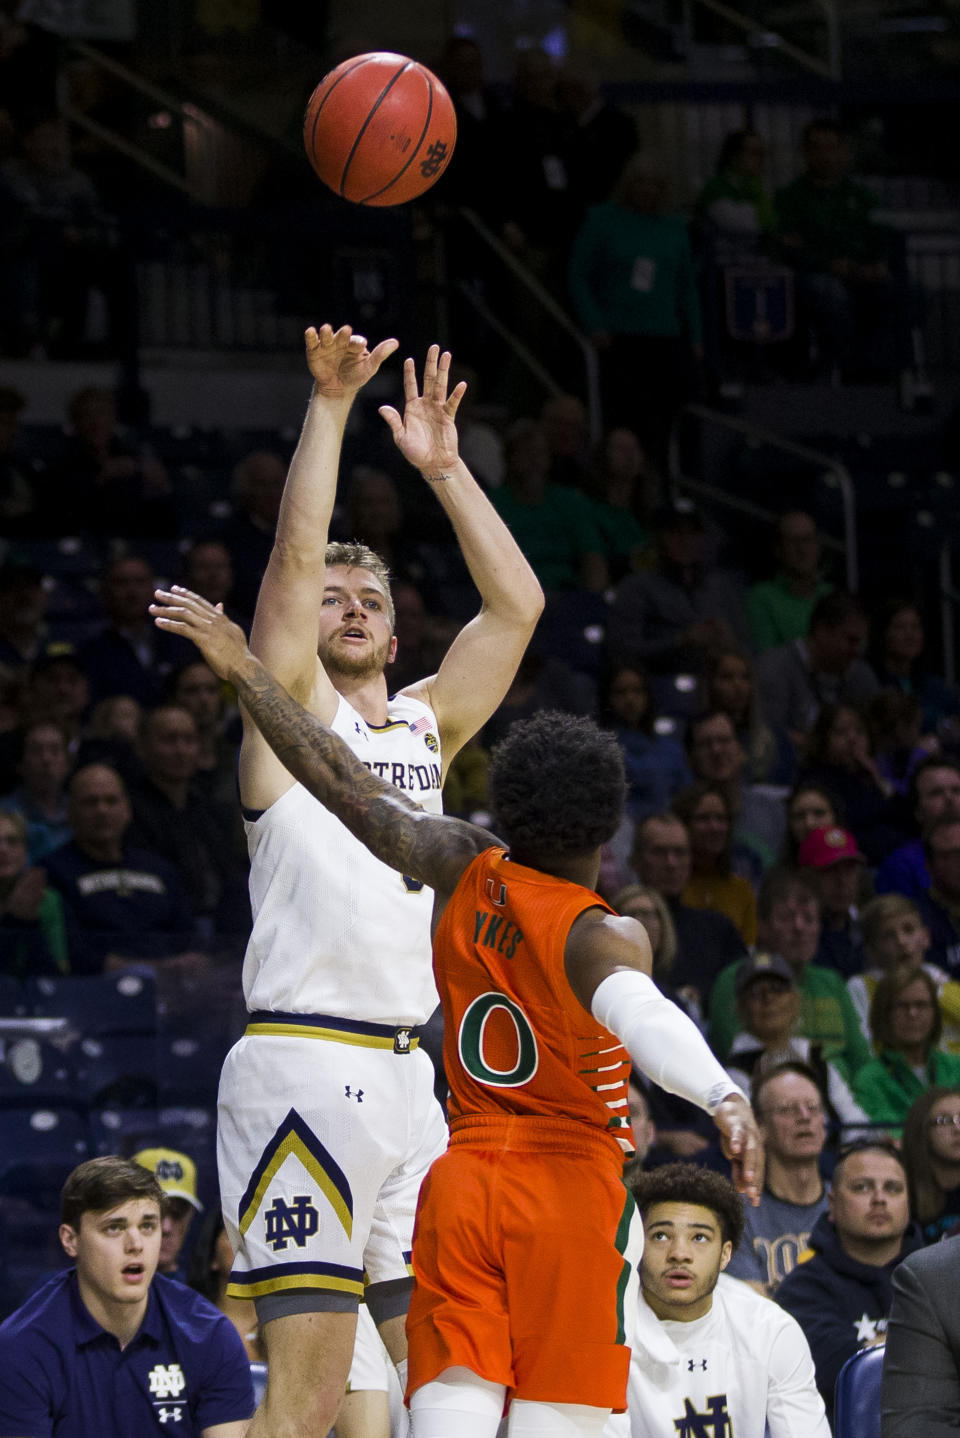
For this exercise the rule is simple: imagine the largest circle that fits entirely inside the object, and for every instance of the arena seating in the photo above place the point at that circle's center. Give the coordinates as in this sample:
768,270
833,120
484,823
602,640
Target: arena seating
857,1400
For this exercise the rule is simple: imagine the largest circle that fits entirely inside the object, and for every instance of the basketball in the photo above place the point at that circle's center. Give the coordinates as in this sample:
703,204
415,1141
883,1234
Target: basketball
379,129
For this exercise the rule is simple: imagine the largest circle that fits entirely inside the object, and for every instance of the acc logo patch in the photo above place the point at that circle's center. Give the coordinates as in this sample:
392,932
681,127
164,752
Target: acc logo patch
432,743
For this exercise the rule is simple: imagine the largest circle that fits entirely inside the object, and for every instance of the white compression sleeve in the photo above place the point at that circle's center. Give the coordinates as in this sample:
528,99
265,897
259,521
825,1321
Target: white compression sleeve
555,1420
457,1404
660,1039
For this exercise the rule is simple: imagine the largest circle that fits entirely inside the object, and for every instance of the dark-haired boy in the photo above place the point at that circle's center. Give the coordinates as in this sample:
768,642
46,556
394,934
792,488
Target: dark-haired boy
106,1347
526,1239
709,1354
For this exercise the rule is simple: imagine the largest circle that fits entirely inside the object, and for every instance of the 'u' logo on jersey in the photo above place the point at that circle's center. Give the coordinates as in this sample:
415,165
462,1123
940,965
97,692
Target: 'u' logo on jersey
496,892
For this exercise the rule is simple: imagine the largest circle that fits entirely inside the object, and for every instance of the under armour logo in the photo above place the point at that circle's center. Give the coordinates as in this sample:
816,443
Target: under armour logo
291,1222
350,1093
170,1415
435,159
692,1363
167,1381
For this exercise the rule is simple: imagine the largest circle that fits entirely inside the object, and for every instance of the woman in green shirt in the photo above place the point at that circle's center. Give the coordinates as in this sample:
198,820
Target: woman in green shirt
906,1024
736,205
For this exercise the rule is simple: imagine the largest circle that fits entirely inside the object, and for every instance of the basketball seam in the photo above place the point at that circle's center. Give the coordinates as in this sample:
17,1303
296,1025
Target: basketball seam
414,153
337,81
363,128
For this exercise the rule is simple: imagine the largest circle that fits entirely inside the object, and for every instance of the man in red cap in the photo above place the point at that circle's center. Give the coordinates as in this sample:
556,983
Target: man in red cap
837,866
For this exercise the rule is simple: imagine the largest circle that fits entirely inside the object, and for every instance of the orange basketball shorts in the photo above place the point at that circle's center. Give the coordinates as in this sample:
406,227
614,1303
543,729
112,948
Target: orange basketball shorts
525,1271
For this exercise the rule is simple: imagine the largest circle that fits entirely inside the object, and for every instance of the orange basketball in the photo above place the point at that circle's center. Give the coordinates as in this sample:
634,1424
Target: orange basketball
379,129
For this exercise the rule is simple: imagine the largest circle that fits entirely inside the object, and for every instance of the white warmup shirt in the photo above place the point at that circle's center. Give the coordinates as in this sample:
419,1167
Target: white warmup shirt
740,1371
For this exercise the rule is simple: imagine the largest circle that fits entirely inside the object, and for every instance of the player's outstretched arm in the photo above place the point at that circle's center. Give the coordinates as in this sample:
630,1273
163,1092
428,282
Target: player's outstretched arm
608,964
284,633
429,847
483,659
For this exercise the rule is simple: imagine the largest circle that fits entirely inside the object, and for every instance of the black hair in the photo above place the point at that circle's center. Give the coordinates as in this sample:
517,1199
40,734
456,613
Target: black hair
732,145
200,1275
695,724
605,714
867,1145
835,609
557,786
689,1183
932,761
818,739
778,885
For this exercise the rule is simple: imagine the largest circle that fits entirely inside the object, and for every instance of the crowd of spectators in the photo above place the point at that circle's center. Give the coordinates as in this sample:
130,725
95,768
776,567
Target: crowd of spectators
792,834
792,853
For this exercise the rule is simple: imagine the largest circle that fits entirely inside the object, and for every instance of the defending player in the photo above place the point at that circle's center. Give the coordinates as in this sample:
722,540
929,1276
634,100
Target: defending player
525,1245
327,1121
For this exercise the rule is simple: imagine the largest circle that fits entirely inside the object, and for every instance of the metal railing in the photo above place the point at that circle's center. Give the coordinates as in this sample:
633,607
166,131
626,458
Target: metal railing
220,149
550,307
828,67
825,464
933,264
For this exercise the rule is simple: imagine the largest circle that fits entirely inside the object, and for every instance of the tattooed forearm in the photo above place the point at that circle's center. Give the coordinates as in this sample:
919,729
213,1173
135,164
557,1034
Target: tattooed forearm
400,834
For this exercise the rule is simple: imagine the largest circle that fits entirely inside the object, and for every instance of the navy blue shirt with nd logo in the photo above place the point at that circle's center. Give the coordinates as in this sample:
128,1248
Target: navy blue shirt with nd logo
63,1376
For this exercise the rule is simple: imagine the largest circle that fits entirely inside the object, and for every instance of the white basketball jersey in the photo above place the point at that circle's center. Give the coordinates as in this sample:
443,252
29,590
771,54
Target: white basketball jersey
334,930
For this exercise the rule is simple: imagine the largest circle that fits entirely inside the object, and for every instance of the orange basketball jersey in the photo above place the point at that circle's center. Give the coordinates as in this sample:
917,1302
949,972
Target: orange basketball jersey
516,1040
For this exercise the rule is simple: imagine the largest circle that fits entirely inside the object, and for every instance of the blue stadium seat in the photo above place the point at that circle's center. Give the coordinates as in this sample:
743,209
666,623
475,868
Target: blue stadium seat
857,1397
38,1148
34,1072
20,1279
13,997
117,1070
123,1130
122,1003
188,1070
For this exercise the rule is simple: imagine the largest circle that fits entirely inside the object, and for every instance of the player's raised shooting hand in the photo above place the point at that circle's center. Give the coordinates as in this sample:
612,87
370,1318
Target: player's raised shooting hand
340,361
426,436
742,1145
222,643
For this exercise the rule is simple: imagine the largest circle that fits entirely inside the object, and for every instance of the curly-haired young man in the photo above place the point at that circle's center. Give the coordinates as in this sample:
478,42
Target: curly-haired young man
709,1354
